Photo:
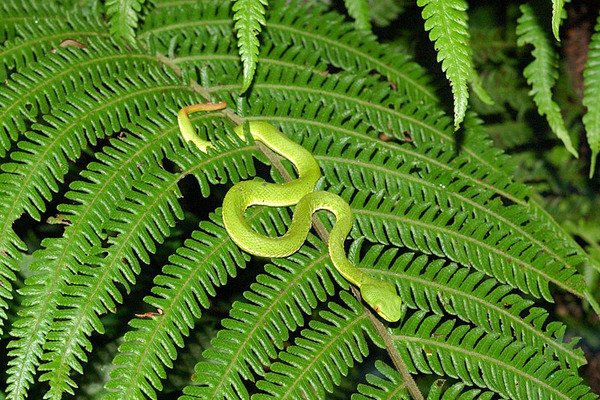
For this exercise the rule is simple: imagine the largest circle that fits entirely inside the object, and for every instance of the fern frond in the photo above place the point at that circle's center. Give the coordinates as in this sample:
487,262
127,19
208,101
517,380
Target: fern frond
557,17
336,41
51,81
218,56
450,233
123,18
498,363
260,325
319,359
10,257
205,262
363,95
390,386
446,21
142,219
16,15
37,40
458,391
249,17
542,73
331,135
445,289
349,155
591,96
383,12
359,10
92,199
42,161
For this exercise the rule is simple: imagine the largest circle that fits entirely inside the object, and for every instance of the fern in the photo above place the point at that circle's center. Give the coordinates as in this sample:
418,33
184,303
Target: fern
591,97
123,16
330,347
383,12
557,16
447,289
433,346
446,22
248,15
336,42
88,129
31,91
391,386
261,324
542,73
359,10
37,39
16,16
146,348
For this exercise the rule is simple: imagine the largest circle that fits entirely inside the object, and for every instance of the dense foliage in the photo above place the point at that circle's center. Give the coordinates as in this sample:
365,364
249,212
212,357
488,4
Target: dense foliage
453,137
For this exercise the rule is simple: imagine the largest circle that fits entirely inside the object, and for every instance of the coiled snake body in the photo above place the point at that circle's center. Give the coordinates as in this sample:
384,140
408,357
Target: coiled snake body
380,295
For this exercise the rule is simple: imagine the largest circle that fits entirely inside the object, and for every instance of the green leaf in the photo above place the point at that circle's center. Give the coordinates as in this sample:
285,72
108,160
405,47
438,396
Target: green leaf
447,22
591,96
542,73
433,345
557,16
383,12
389,385
249,16
123,16
359,10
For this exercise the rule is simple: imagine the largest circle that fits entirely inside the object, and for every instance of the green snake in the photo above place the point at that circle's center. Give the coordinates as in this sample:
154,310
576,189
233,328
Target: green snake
380,295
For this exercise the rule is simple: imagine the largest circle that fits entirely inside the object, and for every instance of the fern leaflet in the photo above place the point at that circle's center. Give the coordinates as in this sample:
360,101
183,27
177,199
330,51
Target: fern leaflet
541,74
509,368
557,17
123,16
261,324
359,10
591,96
249,16
329,347
446,21
389,386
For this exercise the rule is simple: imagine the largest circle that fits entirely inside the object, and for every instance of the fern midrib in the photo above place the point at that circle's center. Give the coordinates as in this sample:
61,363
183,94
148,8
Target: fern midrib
165,28
423,343
323,350
409,119
24,184
450,233
242,346
261,60
438,288
394,148
41,39
65,72
23,367
493,215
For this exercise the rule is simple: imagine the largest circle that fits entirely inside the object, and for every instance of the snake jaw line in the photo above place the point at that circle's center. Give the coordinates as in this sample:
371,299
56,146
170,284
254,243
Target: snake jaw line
380,295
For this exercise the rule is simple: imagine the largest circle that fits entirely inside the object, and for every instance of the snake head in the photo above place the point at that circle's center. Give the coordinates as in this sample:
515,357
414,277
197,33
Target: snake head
382,297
